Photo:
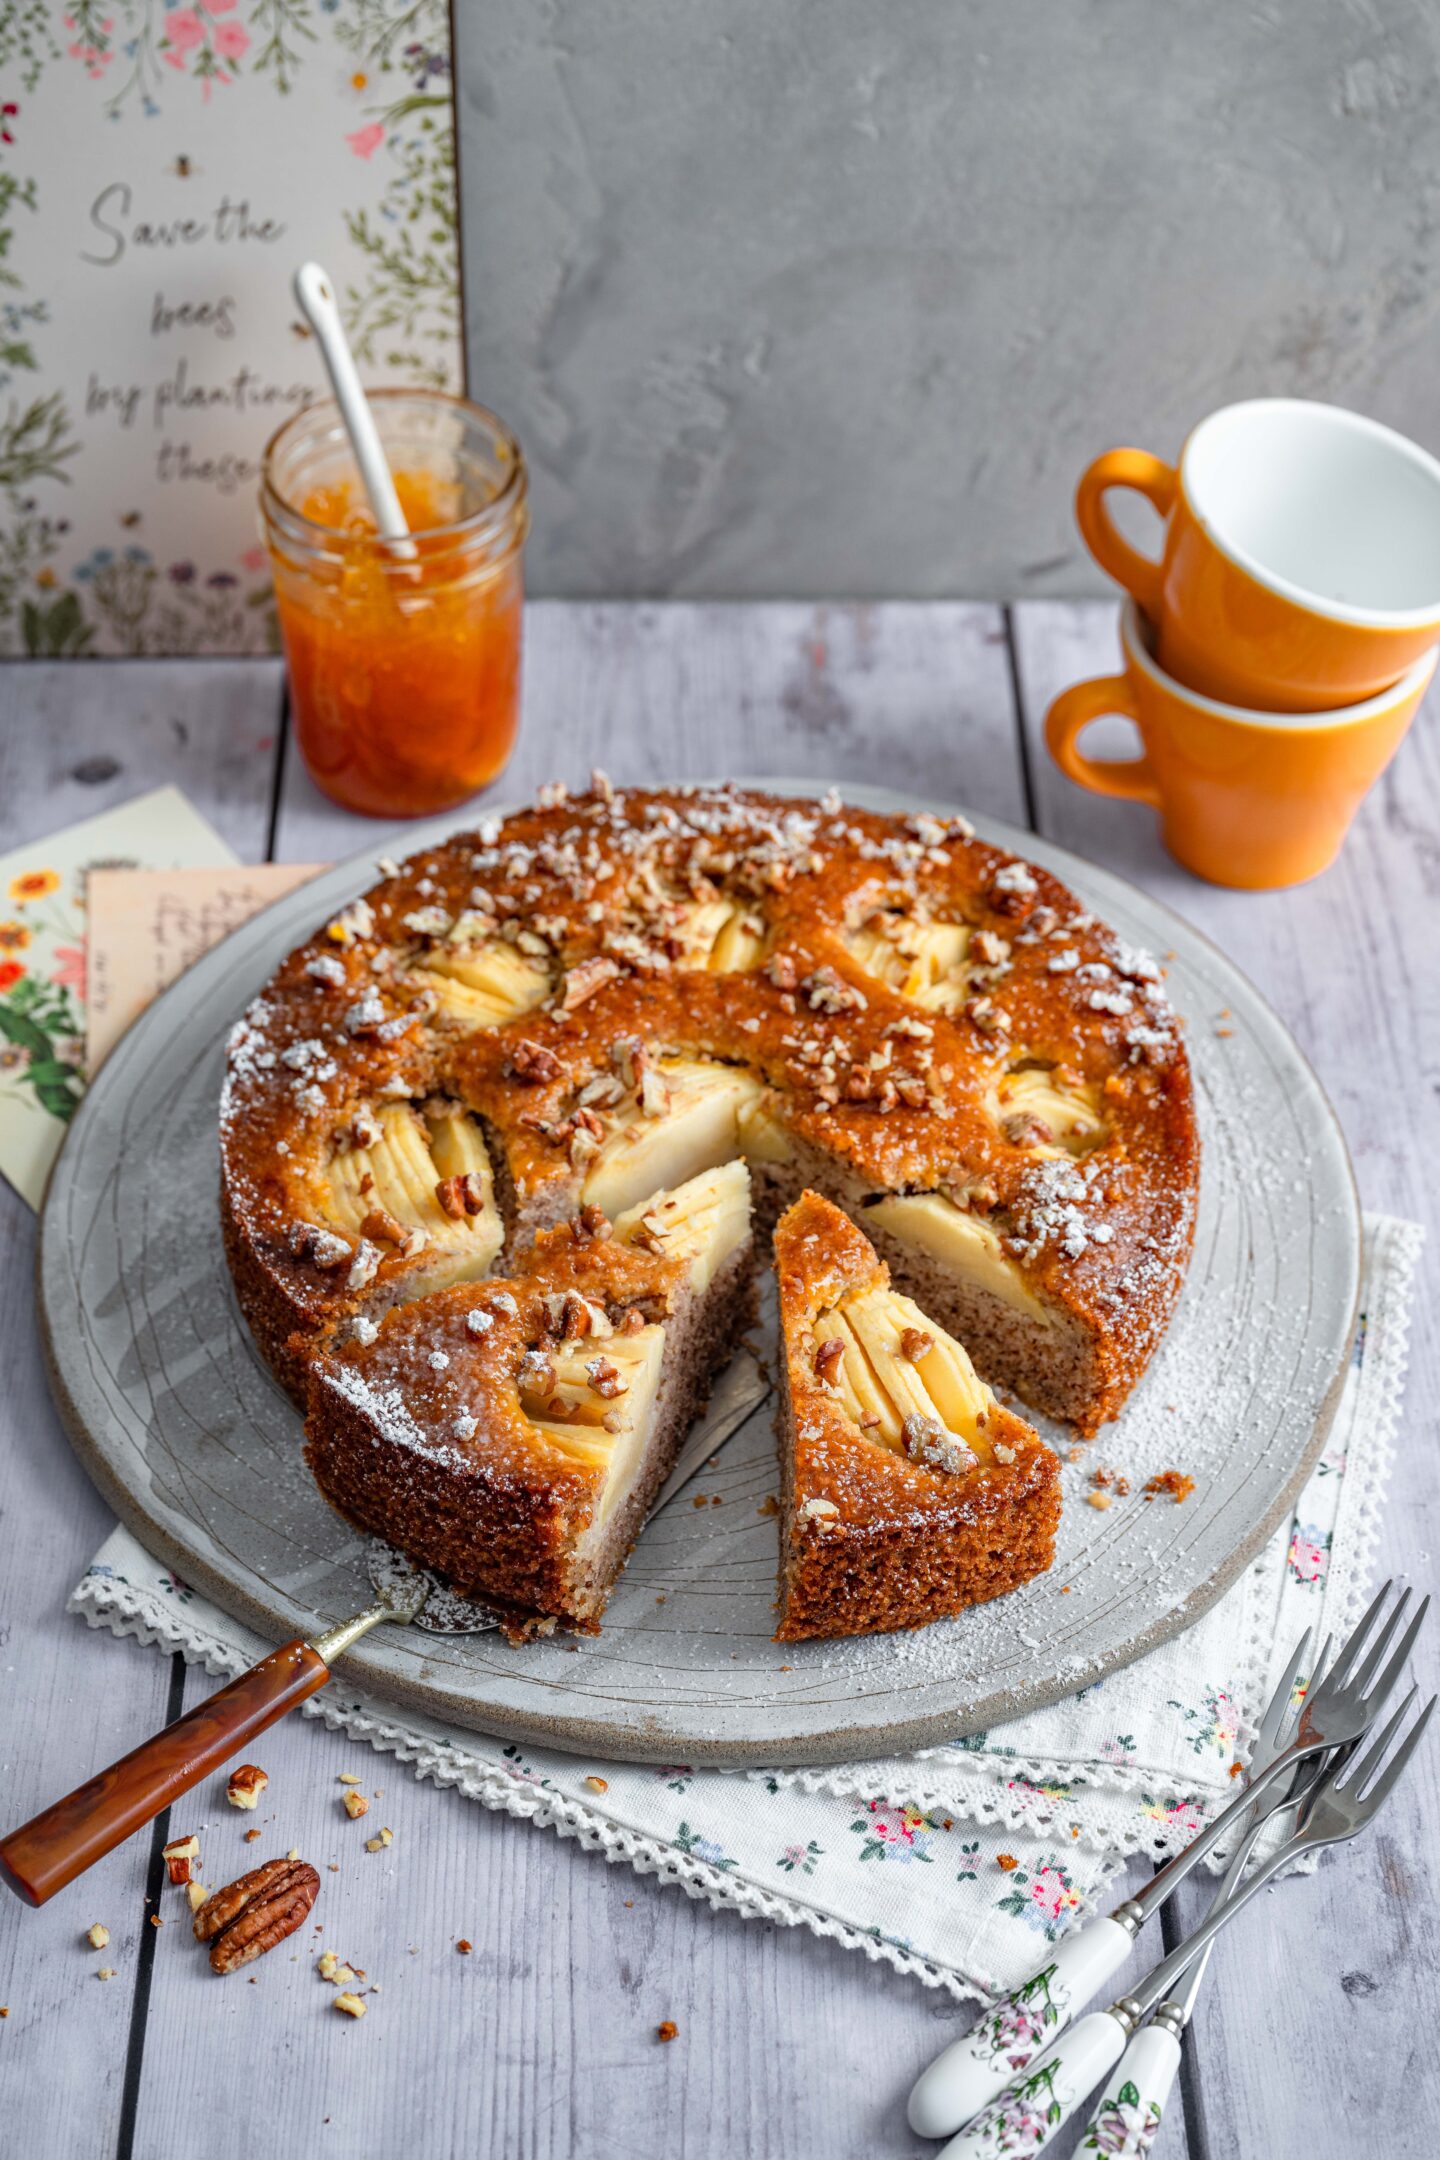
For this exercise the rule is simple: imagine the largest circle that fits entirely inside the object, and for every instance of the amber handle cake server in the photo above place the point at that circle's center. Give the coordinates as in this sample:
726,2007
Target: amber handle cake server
65,1839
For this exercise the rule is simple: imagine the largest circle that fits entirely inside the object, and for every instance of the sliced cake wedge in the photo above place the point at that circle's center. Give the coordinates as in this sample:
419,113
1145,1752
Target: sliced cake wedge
909,1492
512,1434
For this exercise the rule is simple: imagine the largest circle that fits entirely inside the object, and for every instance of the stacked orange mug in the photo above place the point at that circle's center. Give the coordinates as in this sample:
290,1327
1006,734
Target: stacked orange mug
1275,653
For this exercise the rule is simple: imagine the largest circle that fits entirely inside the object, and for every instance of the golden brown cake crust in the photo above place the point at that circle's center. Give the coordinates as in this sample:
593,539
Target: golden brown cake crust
870,1540
897,1100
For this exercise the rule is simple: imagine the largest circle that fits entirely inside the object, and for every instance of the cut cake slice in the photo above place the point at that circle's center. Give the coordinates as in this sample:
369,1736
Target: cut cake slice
511,1435
909,1492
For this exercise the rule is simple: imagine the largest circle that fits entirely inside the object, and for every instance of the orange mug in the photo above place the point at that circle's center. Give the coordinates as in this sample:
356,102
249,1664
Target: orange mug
1301,565
1245,798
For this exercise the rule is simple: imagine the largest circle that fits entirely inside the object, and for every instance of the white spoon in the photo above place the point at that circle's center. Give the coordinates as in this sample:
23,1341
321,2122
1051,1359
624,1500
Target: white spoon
315,297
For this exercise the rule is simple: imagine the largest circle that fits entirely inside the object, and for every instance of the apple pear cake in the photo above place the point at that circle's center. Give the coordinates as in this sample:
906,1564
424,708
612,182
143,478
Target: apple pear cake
908,1491
567,1011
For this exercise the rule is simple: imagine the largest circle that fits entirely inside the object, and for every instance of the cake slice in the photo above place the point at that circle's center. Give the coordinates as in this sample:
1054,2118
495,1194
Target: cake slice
511,1435
909,1491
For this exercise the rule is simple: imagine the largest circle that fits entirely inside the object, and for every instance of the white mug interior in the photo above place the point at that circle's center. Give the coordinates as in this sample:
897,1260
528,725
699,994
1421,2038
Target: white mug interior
1325,507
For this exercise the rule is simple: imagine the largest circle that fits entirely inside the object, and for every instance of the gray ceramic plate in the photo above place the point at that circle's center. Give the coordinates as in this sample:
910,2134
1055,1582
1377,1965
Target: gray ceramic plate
198,1451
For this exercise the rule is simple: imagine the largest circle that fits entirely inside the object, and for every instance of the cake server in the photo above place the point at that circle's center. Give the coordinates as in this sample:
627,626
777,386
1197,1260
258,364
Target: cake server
1341,1709
1038,2102
68,1837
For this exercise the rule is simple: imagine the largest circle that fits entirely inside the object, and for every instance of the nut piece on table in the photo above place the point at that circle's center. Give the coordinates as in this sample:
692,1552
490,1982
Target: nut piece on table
181,1856
197,1894
355,1803
352,2005
257,1911
246,1785
97,1936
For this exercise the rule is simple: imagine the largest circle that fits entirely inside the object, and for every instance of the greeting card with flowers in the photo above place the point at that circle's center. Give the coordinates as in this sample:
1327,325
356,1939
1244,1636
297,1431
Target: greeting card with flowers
43,955
163,170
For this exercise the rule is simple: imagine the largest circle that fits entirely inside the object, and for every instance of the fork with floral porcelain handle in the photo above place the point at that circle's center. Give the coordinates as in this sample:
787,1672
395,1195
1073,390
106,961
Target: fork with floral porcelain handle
1339,1710
1037,2103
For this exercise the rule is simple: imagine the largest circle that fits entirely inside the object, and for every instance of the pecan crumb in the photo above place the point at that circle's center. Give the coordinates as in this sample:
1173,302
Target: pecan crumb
1173,1482
355,1804
597,1784
464,1946
97,1936
667,2030
1006,1860
352,2005
915,1344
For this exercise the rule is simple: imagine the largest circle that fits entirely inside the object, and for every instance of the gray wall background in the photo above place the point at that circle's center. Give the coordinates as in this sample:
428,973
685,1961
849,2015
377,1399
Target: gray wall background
795,299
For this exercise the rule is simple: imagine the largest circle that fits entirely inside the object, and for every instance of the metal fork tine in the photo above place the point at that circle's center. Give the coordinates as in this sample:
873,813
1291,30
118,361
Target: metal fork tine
1351,1645
1381,1644
1356,1768
1377,1693
1386,1786
1272,1722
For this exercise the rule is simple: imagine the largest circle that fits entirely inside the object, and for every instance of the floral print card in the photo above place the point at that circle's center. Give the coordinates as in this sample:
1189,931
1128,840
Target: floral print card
163,171
43,961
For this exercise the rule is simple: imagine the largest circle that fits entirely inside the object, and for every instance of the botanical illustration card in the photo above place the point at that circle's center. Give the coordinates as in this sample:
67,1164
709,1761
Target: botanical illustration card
163,172
43,953
148,926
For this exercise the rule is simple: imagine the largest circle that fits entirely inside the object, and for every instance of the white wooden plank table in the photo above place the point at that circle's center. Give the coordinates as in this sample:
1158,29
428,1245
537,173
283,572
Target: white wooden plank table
540,2043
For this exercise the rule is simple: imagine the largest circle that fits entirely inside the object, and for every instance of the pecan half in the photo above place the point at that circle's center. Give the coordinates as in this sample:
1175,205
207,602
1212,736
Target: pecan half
258,1910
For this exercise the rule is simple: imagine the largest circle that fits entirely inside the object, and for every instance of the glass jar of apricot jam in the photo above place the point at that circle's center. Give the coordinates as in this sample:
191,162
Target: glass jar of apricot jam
403,655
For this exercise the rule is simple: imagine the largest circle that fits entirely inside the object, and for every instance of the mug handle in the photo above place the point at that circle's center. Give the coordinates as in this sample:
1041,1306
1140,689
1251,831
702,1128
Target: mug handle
1150,477
1133,779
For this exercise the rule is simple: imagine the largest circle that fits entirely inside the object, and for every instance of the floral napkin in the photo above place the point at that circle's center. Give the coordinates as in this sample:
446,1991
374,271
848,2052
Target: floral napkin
951,1863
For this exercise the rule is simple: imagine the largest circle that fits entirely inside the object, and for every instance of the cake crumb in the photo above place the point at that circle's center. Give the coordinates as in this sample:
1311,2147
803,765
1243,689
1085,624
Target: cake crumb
464,1946
597,1784
98,1936
1100,1500
1007,1861
1173,1482
667,2030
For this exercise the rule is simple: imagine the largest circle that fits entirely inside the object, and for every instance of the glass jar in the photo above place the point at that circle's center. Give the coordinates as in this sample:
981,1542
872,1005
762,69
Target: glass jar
403,655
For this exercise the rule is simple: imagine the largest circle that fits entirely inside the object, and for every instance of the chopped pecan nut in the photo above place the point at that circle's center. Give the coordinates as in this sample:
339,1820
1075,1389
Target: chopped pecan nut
308,1241
246,1785
254,1913
915,1344
584,979
605,1377
829,1357
461,1195
180,1856
385,1229
532,1063
1023,1129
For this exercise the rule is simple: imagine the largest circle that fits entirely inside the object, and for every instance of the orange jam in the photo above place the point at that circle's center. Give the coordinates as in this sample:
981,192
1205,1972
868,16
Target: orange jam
403,657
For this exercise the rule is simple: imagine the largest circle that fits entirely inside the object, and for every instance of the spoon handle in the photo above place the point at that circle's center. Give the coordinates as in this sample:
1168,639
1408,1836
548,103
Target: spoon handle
59,1843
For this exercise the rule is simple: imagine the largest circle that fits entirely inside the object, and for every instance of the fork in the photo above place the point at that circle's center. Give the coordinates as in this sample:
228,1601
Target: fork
1033,2106
1348,1699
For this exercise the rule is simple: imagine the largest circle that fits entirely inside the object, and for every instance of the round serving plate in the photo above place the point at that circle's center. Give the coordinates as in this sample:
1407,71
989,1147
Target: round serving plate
198,1450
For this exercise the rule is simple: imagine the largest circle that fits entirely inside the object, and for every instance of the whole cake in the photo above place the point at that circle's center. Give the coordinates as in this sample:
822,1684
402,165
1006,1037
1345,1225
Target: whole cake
596,1000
